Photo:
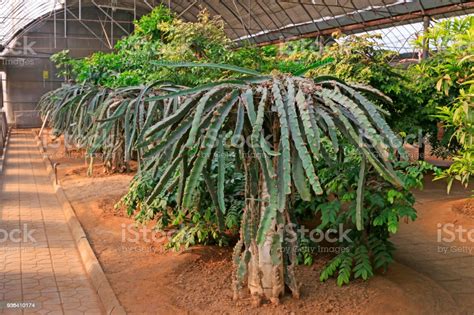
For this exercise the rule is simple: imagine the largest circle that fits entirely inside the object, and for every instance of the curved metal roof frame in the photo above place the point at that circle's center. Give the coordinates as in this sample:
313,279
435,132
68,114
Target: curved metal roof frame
255,21
16,15
272,21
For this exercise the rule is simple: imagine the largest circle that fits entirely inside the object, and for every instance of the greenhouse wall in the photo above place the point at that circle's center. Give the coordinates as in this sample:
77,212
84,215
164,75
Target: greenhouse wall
27,72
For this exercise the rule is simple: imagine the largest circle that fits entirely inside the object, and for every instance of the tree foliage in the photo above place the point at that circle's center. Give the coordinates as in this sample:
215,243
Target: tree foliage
359,59
450,70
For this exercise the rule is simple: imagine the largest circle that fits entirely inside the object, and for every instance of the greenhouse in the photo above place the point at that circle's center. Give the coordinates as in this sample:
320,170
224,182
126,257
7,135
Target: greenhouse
236,157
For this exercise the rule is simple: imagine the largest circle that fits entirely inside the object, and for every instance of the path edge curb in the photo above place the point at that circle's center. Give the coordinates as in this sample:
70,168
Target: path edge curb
4,152
91,263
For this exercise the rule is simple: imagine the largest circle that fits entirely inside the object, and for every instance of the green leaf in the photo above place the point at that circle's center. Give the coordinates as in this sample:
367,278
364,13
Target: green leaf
299,178
201,105
360,194
220,174
208,143
239,125
168,121
164,179
206,65
299,143
317,64
285,178
330,127
266,222
311,130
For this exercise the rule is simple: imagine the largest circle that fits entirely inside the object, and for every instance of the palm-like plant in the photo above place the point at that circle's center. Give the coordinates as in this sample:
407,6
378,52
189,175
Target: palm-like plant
103,120
276,128
67,108
120,119
279,127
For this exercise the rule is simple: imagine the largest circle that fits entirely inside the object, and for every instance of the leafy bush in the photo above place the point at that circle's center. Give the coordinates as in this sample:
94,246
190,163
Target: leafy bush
204,222
159,37
384,207
450,69
152,26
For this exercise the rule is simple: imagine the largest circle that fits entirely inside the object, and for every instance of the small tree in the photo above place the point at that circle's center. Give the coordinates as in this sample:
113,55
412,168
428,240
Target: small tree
278,126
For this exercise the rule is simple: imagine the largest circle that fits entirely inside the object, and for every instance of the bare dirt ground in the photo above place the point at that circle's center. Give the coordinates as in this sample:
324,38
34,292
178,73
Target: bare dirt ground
464,207
148,279
440,243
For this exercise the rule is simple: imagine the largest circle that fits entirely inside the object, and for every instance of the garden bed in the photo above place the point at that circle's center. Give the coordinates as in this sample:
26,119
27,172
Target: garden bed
148,279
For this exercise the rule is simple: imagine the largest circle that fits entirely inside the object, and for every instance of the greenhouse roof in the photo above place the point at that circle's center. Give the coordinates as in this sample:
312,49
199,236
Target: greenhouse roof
16,15
261,22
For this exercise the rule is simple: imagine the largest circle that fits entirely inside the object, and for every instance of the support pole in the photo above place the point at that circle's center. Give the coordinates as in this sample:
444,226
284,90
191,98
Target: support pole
65,19
134,10
110,17
88,28
55,29
321,44
45,121
112,28
426,25
421,146
425,55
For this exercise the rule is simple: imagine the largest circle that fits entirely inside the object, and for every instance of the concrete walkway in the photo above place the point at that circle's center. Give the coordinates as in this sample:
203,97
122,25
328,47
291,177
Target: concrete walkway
40,265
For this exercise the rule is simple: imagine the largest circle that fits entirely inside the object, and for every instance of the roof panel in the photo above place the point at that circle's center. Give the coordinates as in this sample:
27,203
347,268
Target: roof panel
15,15
258,21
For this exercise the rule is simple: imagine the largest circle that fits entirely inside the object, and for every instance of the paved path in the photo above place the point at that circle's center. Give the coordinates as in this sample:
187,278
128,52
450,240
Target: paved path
44,268
449,264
